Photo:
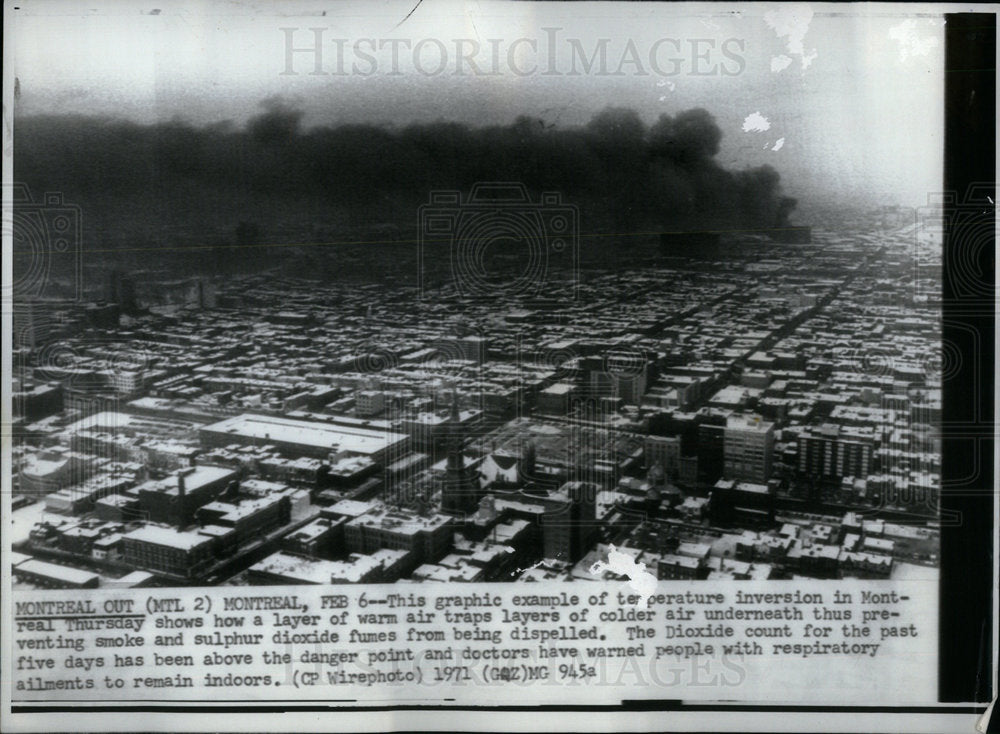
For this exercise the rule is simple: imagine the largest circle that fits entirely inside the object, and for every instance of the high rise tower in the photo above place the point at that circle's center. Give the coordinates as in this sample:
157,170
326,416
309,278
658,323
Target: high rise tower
458,495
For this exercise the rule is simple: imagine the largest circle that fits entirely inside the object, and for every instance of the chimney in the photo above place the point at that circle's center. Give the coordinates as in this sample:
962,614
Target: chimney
182,494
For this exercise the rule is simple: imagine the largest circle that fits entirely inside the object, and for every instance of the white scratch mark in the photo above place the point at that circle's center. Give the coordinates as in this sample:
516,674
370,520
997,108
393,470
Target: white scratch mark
778,144
791,22
756,123
669,85
641,581
780,63
910,43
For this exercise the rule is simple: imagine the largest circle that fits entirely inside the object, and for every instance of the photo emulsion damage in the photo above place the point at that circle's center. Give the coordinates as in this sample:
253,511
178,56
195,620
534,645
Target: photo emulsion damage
518,354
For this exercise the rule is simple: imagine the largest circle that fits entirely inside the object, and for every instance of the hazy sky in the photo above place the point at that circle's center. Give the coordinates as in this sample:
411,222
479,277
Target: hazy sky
851,96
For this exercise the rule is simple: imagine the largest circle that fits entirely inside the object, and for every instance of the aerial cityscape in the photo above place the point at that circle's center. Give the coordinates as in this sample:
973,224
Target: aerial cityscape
391,363
300,332
743,405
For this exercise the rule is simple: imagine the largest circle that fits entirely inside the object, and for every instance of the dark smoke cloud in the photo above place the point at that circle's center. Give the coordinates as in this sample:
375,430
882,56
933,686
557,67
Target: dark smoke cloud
624,174
278,125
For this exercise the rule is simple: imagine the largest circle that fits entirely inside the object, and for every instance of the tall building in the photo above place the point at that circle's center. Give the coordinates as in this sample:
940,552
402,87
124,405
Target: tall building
458,494
665,451
748,447
369,402
620,374
826,451
711,455
569,524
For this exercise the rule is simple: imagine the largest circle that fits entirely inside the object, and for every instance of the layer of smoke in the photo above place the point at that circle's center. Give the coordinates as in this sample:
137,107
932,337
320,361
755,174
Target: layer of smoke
627,175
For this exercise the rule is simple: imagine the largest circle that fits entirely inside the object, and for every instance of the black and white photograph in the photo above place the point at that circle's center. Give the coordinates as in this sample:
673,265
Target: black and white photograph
379,351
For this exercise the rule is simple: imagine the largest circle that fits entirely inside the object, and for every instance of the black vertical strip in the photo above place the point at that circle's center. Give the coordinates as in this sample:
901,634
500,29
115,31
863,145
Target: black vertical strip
967,509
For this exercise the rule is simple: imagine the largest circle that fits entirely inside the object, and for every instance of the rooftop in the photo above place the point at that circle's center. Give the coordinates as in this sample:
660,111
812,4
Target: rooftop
194,478
168,537
54,571
748,423
401,521
335,437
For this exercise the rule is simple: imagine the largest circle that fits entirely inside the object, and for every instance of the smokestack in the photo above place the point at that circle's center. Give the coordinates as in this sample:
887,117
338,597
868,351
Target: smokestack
181,496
